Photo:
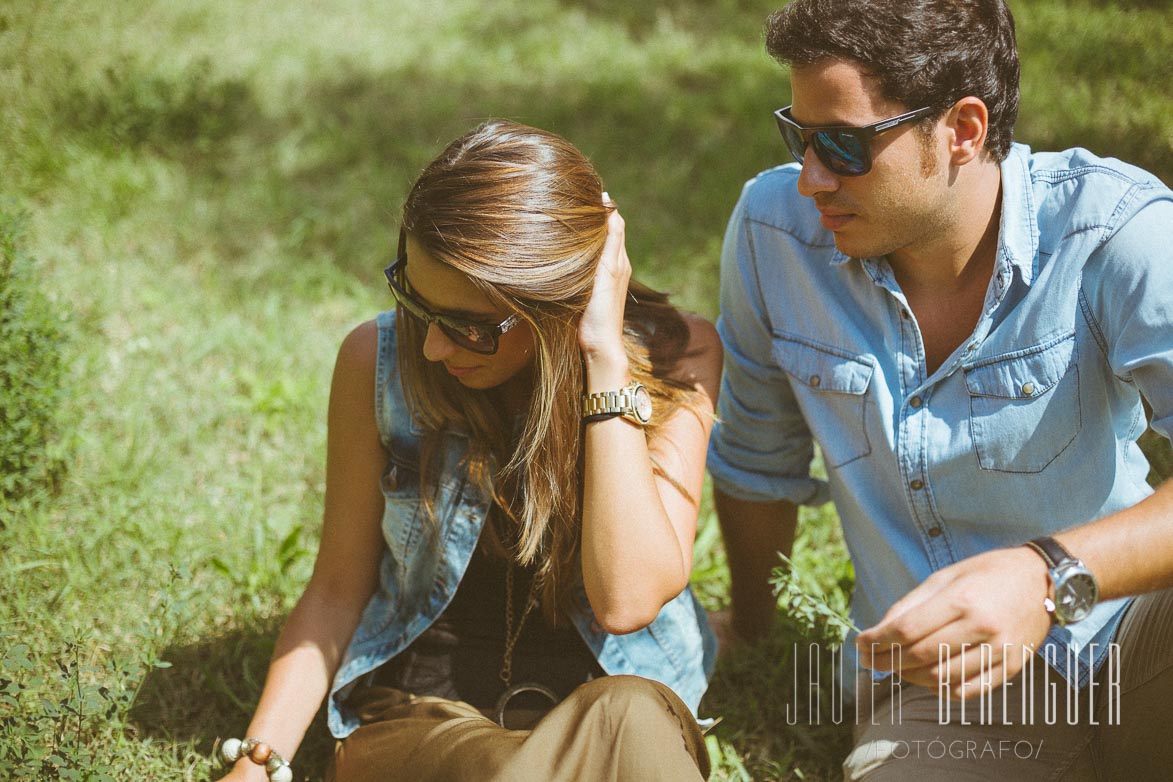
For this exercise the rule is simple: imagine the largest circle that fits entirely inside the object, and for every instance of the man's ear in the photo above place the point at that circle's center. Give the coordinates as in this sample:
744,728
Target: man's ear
967,123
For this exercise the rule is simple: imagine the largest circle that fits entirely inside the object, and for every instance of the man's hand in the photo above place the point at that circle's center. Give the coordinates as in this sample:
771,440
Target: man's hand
994,599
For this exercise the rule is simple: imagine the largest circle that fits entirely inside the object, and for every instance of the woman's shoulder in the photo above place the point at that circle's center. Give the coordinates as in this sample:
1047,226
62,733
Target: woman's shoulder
353,405
701,362
702,335
359,351
362,343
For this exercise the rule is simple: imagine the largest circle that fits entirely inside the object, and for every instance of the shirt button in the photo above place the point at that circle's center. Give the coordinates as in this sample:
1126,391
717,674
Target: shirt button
1028,388
916,484
904,314
816,381
934,532
915,403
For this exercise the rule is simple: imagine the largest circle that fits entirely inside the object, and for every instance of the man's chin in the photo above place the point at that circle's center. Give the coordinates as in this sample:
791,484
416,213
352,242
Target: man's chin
853,244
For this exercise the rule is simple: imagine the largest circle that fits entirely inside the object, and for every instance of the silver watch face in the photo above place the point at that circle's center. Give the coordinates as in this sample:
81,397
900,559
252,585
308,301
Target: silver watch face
643,405
1075,594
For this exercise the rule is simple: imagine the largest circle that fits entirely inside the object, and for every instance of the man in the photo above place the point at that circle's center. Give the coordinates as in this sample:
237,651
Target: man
966,329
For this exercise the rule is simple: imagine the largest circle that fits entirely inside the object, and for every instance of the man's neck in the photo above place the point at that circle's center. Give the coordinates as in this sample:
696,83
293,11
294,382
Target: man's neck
959,258
946,280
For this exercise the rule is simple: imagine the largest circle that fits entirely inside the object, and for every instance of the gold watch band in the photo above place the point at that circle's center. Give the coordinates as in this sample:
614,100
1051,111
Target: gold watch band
633,403
608,402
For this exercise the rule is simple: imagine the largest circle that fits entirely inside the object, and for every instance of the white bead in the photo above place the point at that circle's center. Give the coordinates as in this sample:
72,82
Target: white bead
230,750
283,774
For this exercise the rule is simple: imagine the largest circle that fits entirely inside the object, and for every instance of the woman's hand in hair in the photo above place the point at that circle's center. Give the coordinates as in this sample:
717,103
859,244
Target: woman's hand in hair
600,333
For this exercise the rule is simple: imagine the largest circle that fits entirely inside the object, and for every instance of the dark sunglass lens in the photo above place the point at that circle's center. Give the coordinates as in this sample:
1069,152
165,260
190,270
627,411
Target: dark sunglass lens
843,152
794,140
470,336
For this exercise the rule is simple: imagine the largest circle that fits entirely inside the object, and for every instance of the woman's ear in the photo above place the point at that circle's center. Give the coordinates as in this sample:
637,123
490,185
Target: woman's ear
967,122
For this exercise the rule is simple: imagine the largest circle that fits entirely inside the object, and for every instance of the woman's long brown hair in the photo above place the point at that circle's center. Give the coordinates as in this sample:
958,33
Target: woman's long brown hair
520,211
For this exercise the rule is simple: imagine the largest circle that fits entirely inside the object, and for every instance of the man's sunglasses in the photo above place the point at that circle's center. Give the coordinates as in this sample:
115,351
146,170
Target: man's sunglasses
471,335
844,149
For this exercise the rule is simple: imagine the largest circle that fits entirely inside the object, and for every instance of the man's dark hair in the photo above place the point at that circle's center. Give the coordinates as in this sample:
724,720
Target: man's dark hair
923,52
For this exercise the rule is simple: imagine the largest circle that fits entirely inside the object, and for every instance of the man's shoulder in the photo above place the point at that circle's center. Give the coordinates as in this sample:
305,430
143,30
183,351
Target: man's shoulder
1076,192
1077,174
1077,161
1084,206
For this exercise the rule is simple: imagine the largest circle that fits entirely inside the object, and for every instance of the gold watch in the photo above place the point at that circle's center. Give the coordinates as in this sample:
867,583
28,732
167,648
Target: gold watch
633,403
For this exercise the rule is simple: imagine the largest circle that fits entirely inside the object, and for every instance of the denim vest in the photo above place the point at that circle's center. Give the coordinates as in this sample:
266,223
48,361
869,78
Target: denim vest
425,559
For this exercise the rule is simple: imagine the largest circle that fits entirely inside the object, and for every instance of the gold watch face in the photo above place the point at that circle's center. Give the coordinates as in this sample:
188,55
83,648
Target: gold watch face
643,404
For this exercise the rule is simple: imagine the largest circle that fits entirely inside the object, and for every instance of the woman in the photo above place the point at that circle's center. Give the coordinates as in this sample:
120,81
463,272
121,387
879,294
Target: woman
505,535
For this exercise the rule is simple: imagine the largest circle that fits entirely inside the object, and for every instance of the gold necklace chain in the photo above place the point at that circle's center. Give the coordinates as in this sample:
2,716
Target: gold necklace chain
512,635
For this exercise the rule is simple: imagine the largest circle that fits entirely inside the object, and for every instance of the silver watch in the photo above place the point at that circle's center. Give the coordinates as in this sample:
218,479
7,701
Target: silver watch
1074,590
633,403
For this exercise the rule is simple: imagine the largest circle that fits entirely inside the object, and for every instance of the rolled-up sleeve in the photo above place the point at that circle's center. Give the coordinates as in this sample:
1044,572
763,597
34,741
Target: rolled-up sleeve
761,448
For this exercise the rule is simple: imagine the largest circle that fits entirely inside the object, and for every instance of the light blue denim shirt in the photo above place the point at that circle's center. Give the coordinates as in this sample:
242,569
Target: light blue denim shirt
1027,429
424,561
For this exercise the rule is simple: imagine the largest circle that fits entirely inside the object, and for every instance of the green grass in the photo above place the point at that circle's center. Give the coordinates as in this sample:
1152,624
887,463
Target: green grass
209,191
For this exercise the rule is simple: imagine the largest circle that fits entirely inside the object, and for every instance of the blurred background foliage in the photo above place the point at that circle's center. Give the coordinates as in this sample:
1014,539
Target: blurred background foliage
196,201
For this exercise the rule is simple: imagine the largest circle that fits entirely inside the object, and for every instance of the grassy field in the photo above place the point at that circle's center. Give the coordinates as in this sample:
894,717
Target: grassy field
209,191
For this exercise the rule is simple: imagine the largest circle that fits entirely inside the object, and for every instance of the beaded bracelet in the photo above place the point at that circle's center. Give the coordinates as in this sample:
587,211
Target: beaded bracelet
260,753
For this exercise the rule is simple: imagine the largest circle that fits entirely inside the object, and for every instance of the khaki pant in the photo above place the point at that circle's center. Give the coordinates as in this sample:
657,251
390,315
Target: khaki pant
898,735
612,728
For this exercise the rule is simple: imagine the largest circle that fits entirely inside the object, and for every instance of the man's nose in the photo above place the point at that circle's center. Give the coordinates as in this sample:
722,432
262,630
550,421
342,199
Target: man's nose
815,177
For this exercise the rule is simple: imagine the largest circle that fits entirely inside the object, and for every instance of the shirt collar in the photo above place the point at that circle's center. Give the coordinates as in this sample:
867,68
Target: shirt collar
1018,230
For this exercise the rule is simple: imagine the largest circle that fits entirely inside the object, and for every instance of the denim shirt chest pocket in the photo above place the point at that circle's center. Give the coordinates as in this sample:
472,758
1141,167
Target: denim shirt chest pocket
1024,406
831,387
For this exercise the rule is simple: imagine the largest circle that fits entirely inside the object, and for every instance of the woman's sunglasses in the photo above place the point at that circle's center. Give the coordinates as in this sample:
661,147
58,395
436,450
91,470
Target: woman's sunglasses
471,335
844,149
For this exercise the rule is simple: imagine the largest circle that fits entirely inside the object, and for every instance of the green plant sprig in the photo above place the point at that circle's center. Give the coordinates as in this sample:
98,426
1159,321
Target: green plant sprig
800,595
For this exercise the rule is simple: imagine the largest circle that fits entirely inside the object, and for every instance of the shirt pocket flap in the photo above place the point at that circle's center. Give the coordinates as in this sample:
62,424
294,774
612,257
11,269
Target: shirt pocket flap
822,368
1023,374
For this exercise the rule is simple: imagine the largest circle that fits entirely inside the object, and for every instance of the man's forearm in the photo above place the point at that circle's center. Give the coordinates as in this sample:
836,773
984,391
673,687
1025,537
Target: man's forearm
754,533
1130,552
